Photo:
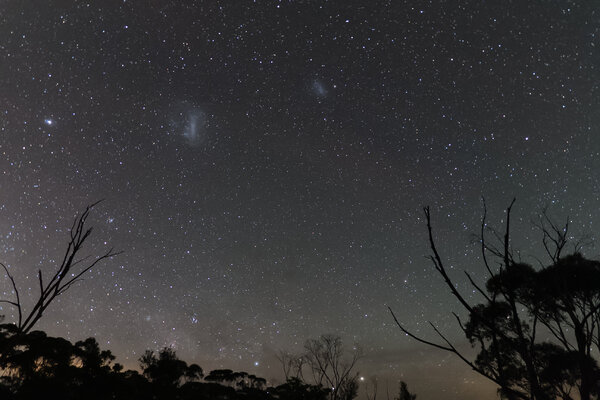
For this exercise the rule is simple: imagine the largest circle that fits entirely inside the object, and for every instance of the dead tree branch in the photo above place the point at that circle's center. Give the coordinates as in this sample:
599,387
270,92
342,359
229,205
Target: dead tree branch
68,273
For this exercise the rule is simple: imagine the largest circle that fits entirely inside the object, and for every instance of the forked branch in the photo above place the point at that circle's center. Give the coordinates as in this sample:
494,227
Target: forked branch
69,272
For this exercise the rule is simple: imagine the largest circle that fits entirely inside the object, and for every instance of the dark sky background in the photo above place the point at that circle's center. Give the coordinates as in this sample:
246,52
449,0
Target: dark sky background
264,164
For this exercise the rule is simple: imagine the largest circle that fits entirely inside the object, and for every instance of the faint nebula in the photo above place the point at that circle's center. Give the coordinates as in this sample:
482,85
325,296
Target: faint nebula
189,122
319,89
194,130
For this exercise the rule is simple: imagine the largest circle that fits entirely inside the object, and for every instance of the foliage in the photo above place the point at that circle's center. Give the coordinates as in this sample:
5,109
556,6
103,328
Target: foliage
561,298
295,389
35,365
166,372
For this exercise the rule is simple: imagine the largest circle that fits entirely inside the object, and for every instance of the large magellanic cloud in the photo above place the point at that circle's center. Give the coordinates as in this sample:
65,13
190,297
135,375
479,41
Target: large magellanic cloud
189,122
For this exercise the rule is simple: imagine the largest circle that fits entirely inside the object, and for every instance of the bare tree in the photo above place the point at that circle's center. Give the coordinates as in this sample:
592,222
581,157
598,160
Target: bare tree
285,359
326,363
70,271
292,364
329,365
371,391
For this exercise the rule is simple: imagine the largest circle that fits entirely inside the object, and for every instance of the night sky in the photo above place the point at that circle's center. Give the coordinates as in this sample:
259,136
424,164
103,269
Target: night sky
264,165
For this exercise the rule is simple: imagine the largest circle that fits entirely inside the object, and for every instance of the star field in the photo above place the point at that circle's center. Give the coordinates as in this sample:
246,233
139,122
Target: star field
264,165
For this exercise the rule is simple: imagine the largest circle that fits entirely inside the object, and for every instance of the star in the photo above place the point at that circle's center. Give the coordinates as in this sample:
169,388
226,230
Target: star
268,164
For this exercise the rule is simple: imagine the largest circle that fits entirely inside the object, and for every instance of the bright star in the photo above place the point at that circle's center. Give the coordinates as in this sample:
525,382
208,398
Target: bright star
48,122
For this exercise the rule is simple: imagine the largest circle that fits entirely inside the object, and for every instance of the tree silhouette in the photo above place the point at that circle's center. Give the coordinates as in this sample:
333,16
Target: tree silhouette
327,363
30,359
371,392
296,389
166,372
220,375
35,365
563,297
292,364
70,271
348,389
91,358
567,298
404,393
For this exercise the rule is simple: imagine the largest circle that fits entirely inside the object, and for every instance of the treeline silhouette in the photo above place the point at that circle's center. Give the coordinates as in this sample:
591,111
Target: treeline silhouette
536,332
35,366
